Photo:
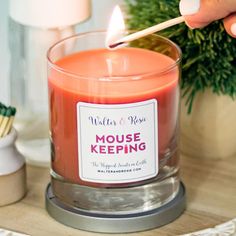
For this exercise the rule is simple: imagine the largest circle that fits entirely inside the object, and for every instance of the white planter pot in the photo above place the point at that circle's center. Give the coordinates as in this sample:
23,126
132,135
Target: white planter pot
210,130
12,171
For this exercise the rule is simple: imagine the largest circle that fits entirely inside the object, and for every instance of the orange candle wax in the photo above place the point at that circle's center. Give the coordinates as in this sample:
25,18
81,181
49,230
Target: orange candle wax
129,78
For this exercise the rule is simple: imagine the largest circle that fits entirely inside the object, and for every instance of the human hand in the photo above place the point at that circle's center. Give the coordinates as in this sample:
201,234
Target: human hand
199,13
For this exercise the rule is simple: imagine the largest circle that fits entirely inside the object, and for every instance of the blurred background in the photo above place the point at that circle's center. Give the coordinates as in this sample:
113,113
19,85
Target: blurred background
100,13
27,29
4,53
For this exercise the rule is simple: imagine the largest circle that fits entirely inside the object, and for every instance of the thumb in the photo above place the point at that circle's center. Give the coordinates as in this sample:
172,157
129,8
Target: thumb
230,25
206,12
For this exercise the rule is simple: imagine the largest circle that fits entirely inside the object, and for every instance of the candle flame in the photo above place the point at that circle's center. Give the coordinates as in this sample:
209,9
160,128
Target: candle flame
116,27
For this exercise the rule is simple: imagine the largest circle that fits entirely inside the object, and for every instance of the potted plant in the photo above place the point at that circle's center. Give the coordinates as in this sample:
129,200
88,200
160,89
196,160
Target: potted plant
208,85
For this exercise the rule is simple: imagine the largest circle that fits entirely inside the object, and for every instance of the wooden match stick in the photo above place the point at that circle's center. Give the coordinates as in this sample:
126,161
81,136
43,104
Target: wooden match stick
10,122
2,114
147,31
7,115
5,121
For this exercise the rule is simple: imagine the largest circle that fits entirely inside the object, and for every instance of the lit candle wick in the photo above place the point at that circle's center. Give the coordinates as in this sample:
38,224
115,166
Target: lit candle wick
116,29
115,45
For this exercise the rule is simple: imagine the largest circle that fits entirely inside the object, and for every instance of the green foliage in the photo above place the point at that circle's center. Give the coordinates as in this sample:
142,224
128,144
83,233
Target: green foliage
209,54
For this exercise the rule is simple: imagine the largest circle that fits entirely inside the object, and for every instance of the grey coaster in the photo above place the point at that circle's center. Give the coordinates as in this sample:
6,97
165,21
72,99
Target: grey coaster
104,223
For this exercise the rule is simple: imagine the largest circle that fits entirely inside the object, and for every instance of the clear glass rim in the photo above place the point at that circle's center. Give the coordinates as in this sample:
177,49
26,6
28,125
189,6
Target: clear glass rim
110,78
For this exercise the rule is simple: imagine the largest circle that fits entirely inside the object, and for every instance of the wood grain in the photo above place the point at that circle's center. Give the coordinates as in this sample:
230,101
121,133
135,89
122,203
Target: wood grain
211,200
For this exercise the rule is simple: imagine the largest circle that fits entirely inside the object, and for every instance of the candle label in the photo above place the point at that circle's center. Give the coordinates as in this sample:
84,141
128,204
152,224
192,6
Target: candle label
117,143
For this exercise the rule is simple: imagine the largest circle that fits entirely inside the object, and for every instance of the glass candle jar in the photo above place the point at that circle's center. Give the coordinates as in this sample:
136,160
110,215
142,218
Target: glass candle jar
114,125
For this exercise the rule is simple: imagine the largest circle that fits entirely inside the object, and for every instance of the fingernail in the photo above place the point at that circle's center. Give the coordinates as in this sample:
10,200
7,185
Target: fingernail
189,7
233,29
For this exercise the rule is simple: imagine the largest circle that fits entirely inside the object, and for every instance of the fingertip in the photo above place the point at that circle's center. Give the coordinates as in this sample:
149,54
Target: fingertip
189,22
233,29
230,25
194,24
190,26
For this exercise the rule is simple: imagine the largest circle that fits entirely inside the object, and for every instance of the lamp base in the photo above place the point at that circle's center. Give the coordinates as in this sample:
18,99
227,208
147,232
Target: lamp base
104,223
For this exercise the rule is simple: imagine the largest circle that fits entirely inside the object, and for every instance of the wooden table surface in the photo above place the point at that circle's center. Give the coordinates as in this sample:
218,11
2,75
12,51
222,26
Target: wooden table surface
211,200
